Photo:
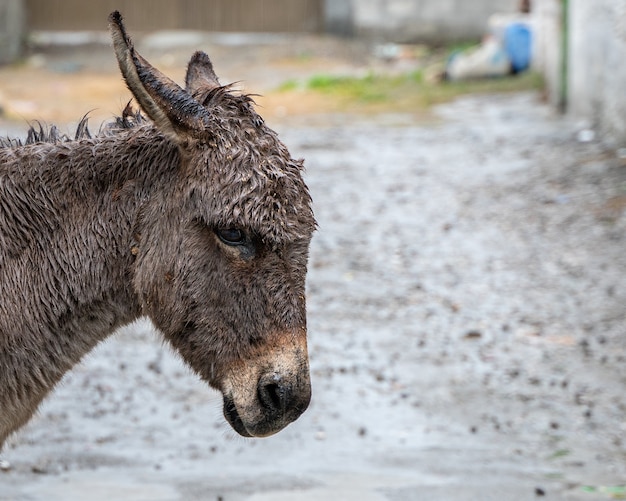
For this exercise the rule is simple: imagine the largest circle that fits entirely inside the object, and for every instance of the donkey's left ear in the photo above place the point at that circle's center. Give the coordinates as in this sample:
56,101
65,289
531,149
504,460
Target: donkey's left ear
200,75
169,106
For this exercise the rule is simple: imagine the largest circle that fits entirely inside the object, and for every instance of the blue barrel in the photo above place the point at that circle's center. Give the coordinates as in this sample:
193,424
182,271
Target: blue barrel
518,45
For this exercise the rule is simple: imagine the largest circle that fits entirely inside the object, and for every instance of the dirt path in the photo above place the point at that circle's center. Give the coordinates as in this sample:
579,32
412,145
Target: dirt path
467,334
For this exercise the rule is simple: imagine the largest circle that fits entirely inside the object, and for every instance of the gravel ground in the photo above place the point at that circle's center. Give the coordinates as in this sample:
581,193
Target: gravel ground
467,334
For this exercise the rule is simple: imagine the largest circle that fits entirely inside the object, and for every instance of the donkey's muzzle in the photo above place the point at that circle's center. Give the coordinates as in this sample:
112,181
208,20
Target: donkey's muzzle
279,400
265,394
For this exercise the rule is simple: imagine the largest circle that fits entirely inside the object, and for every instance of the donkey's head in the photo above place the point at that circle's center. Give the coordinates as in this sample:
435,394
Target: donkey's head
223,244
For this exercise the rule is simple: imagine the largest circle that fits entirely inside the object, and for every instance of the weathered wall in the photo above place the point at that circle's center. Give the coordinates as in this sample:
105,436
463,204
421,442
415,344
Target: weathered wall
593,86
207,15
597,69
11,29
548,47
414,20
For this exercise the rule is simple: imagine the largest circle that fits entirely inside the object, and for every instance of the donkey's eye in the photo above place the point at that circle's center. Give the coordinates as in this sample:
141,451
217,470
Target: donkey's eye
231,236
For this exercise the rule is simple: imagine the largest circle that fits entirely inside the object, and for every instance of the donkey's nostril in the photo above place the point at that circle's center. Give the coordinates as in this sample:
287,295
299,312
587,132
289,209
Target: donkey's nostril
273,393
280,399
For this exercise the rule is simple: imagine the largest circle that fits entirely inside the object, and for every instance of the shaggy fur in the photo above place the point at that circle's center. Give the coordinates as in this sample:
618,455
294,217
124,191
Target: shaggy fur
98,231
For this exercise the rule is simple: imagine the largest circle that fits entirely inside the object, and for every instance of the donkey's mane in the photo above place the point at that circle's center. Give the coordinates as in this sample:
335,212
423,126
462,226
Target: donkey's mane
130,118
39,133
227,97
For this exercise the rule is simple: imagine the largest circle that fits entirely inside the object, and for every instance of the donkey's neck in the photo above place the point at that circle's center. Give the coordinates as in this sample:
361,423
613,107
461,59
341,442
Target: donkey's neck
68,230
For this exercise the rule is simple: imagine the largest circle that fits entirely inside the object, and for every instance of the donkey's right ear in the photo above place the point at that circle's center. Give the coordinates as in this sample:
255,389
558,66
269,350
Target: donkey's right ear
169,106
200,75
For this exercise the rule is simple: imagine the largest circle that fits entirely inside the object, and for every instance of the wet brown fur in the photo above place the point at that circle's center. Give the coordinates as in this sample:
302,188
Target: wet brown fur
96,232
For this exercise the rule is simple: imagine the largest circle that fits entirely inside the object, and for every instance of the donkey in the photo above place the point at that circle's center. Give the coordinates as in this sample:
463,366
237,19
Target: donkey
197,218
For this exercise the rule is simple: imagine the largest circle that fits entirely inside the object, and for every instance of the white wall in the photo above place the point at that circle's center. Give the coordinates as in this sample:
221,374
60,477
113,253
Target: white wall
596,60
414,20
547,46
597,64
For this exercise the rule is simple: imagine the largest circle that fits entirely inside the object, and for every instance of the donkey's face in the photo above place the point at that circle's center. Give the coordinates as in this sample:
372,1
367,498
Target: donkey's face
223,245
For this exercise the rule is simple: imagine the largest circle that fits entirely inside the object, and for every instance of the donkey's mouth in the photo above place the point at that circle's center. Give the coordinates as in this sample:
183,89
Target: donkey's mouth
233,418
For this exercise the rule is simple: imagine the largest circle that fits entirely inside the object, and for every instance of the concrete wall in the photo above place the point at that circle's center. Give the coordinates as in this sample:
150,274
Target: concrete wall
413,20
597,64
548,47
593,88
11,30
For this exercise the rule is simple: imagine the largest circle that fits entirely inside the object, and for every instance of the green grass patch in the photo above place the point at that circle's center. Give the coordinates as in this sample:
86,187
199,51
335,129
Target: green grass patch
369,88
413,89
288,85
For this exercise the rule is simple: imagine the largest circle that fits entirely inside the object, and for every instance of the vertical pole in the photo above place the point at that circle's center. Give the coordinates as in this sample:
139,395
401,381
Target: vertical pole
564,69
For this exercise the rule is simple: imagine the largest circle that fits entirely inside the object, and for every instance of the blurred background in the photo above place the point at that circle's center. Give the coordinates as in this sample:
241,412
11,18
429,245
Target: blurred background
576,45
466,292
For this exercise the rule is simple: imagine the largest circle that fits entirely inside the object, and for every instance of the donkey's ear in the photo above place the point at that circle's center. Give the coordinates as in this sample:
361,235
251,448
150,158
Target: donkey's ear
170,107
200,75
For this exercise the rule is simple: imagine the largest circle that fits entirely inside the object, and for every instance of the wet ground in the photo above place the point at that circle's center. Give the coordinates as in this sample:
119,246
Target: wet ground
467,334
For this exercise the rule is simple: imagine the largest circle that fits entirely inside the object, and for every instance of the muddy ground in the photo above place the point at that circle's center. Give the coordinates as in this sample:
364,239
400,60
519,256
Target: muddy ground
467,330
